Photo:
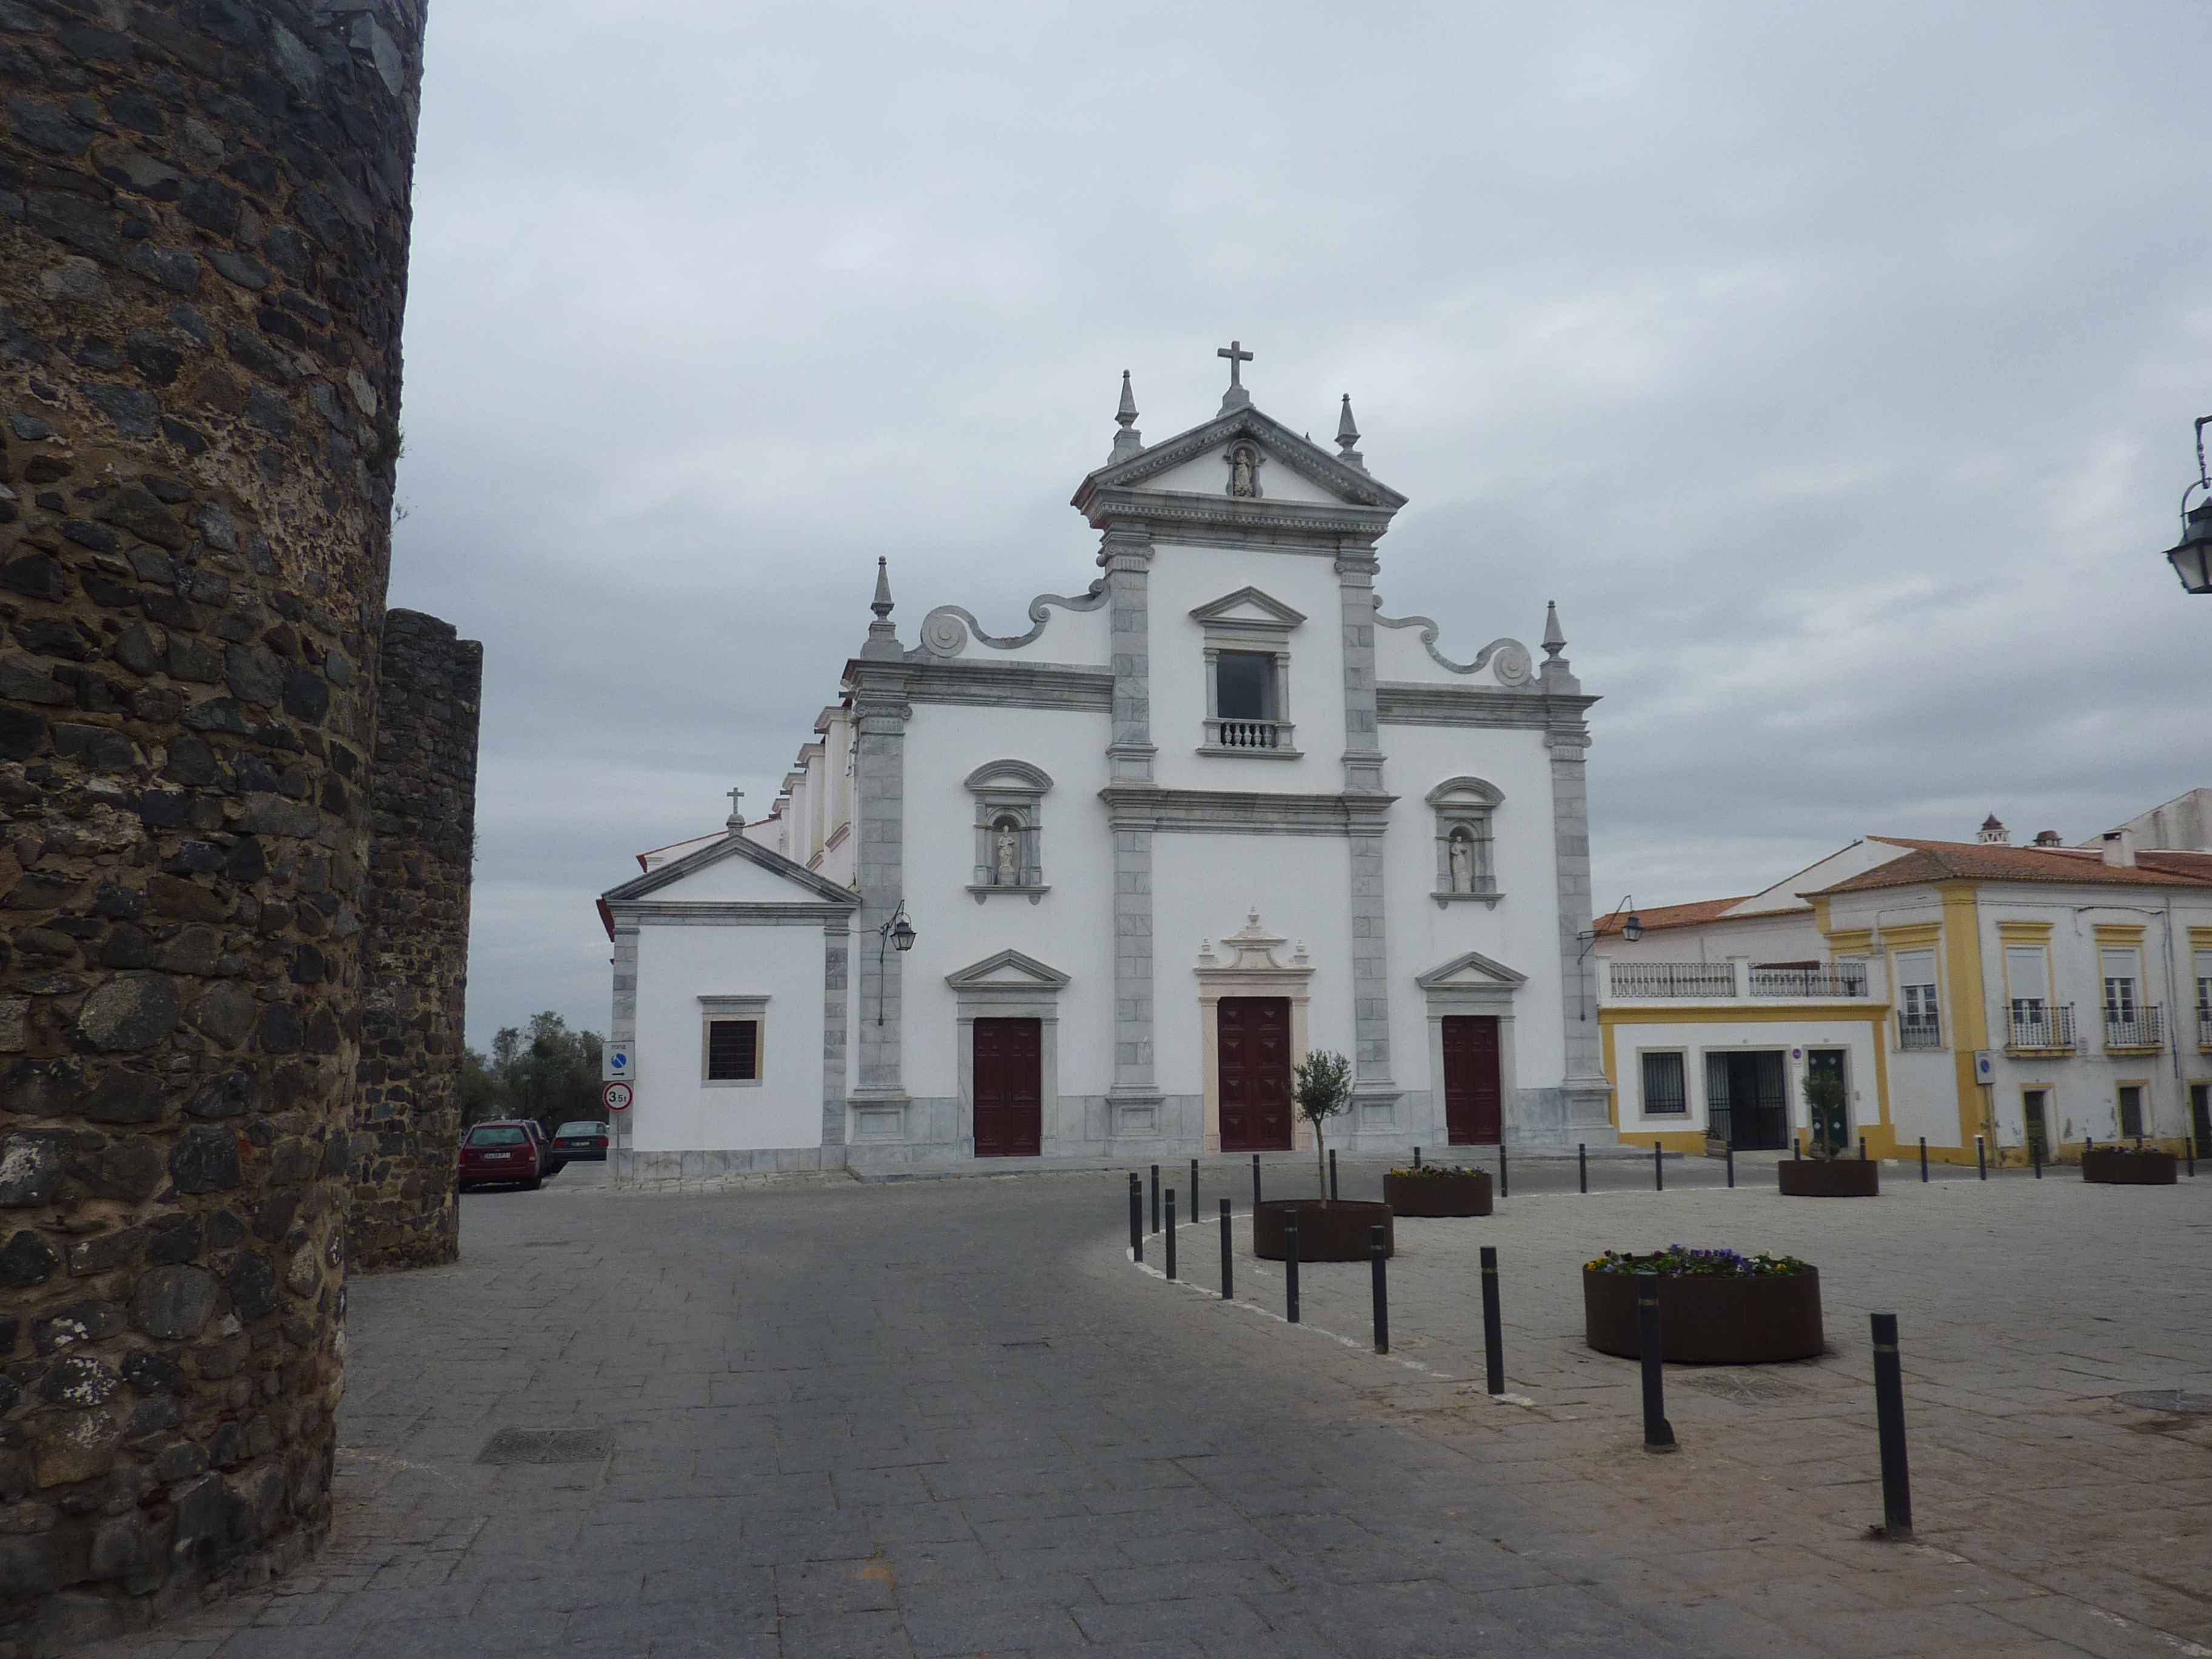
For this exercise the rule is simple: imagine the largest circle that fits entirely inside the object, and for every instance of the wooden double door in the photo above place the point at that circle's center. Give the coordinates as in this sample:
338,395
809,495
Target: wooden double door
1009,1088
1474,1092
1252,1072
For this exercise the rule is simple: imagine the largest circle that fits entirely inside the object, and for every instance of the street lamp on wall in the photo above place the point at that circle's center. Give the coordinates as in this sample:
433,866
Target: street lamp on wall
898,931
2191,556
1631,929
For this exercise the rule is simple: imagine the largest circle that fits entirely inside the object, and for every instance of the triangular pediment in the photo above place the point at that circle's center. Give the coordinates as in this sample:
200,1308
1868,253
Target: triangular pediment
1006,967
1249,604
1473,968
732,870
1292,470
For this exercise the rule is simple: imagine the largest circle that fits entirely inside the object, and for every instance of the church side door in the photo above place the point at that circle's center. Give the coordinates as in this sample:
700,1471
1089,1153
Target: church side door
1474,1113
1009,1088
1254,1051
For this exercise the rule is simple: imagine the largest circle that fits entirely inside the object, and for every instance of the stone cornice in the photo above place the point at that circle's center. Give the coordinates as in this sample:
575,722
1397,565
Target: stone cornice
1164,512
1299,455
1232,812
1011,685
629,915
1399,702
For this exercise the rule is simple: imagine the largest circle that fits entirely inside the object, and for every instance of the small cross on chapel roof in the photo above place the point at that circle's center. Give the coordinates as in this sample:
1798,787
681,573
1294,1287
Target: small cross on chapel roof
736,818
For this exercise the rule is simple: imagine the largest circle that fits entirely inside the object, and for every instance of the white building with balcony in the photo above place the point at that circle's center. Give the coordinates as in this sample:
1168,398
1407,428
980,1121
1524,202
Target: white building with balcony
2034,996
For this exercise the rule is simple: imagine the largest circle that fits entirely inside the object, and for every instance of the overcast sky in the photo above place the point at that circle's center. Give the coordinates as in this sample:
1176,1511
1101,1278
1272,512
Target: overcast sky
1833,367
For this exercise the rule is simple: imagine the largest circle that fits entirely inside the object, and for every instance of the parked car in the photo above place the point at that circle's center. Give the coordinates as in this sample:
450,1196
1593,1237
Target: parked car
502,1153
548,1160
581,1142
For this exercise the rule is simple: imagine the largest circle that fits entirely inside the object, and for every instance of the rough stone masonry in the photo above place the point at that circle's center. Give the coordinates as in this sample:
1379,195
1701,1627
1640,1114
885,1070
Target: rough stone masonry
204,234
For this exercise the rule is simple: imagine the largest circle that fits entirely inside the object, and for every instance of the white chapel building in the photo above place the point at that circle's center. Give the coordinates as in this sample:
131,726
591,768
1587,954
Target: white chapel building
1091,890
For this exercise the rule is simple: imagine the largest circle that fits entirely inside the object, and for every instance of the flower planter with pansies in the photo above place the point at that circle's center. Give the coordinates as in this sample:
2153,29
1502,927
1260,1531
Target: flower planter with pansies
1437,1189
2128,1166
1716,1307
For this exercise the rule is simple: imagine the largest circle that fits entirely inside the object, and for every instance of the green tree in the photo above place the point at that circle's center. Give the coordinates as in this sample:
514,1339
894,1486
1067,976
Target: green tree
1322,1089
543,1070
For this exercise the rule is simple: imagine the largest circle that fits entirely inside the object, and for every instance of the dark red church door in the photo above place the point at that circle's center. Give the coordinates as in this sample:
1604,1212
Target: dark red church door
1255,1058
1474,1113
1009,1088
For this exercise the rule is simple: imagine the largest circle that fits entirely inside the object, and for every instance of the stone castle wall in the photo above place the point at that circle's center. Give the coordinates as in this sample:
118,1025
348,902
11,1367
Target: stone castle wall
203,231
415,949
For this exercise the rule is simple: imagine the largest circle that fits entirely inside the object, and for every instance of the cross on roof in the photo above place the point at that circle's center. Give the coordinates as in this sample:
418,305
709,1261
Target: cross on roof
735,795
1236,355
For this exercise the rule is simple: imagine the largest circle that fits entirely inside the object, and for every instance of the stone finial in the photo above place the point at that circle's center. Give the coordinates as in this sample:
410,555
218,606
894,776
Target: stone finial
1348,437
1554,640
1128,440
883,632
1237,396
881,604
736,822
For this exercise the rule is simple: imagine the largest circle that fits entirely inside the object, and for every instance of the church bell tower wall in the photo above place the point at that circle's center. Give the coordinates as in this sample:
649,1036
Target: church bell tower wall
415,946
201,288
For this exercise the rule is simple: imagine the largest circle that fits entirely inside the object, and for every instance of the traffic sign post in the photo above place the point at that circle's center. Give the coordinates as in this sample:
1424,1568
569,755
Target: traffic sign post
616,1096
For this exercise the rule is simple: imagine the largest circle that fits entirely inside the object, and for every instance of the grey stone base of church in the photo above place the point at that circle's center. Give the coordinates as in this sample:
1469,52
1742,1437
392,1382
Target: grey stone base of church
925,1131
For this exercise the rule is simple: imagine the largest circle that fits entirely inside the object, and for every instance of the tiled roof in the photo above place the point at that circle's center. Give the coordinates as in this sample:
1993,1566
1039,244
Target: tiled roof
1670,915
1958,861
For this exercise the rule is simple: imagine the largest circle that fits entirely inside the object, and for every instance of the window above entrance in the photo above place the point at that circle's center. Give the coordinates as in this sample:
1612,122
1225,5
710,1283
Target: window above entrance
1248,675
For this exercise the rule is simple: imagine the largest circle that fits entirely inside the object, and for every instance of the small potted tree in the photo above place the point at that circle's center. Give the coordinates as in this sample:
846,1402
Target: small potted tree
1827,1173
1716,1307
1329,1230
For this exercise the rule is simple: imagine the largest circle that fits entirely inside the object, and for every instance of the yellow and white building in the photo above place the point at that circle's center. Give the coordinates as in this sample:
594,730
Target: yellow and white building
2045,995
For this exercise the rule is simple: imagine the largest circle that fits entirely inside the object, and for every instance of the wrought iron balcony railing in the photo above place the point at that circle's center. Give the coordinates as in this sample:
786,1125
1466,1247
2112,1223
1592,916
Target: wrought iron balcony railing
1673,979
2045,1028
1842,980
2137,1028
1919,1033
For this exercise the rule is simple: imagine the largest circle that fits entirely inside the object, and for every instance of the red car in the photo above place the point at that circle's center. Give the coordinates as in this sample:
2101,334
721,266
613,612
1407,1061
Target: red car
501,1152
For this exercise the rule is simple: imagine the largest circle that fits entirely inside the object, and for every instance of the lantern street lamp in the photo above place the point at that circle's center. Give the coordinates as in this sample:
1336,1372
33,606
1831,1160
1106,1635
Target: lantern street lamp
1631,929
2191,556
898,931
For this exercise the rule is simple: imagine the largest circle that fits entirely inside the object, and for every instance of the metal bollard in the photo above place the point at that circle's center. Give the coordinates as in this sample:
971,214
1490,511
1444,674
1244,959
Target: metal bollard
1658,1433
1981,1160
1582,1166
1493,1330
1136,1216
1156,1198
1332,1175
2189,1149
2035,1155
1290,1267
1863,1156
1171,1232
1417,1158
1504,1179
1923,1157
1658,1170
1228,1257
1378,1266
1729,1151
1796,1153
1889,1417
1256,1181
1196,1214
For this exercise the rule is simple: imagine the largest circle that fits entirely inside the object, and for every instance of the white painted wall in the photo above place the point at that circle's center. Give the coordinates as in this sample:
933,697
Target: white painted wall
1184,577
675,1110
1721,1034
1071,928
1778,936
1522,933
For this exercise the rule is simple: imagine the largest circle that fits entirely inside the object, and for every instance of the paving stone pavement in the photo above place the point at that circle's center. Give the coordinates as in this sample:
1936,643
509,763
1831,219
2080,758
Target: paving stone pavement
950,1418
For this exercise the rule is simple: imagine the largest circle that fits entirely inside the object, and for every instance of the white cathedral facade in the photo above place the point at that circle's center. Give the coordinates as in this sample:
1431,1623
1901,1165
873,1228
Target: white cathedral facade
1090,891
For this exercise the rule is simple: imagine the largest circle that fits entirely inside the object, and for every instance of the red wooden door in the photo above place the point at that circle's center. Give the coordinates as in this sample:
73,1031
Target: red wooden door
1474,1107
1255,1056
1009,1088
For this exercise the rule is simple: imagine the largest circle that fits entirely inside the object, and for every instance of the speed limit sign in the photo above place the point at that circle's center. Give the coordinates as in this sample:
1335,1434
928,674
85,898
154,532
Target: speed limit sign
615,1097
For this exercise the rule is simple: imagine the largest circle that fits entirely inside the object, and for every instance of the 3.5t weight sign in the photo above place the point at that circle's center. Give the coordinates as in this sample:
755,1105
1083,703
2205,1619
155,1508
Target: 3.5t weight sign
616,1096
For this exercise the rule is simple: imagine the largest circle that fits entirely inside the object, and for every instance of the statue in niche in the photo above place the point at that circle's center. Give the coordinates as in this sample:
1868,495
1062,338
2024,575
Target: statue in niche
1244,472
1007,853
1460,853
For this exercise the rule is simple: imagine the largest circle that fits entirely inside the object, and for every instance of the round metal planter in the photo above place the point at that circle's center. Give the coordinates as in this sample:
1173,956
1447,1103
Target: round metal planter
2123,1166
1842,1177
1327,1232
1706,1320
1430,1195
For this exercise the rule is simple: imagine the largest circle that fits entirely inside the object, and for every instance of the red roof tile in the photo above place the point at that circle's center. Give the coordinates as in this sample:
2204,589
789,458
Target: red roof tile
1958,861
1671,915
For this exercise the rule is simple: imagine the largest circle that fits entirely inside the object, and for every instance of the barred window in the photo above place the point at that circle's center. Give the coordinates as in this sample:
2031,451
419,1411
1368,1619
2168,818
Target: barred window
1664,1088
732,1051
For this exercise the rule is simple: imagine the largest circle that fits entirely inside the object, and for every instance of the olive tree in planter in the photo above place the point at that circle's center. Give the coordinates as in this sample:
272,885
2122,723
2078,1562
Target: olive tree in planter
1329,1230
1825,1172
